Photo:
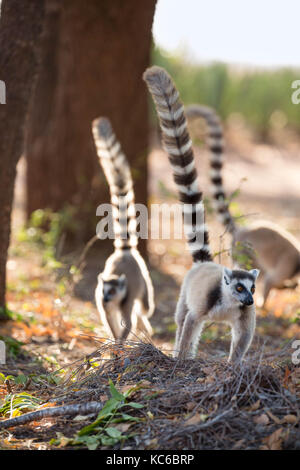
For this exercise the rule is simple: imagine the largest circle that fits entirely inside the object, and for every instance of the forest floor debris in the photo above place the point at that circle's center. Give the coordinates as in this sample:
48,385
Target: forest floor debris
152,401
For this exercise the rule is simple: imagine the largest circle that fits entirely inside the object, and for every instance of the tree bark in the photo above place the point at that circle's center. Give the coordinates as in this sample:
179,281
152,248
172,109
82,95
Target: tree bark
20,29
94,55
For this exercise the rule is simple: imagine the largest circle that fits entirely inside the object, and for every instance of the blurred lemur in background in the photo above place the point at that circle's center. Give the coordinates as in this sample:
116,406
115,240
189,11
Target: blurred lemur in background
210,292
270,248
124,294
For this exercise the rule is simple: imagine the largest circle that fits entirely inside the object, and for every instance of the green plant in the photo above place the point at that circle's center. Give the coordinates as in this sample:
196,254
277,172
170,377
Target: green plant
243,254
46,229
104,431
296,318
16,404
13,346
5,313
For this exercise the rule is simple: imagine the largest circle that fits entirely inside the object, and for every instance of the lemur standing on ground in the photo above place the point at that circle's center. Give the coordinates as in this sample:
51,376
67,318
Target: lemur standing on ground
210,292
270,248
124,293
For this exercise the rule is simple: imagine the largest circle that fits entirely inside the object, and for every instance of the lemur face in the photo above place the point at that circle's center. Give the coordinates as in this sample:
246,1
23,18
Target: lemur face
114,289
241,284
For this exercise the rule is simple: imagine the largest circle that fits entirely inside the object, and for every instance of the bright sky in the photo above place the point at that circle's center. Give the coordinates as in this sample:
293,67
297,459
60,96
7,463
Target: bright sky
250,32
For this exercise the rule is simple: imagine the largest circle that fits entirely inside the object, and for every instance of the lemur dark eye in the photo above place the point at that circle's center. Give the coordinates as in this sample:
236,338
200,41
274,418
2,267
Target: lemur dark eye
252,290
112,291
239,288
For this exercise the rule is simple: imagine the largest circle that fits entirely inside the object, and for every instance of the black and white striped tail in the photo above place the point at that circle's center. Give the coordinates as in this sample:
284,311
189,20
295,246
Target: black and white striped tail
178,145
118,175
216,148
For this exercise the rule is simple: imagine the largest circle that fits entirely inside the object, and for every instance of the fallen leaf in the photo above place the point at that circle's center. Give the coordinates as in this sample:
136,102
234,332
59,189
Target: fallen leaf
200,380
145,383
79,418
190,405
261,419
208,370
255,406
125,388
195,419
274,441
123,427
47,405
64,441
239,444
273,417
290,419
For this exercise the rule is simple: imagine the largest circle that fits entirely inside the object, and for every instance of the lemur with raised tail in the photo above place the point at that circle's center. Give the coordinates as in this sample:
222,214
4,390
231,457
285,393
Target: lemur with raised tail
124,294
270,248
210,292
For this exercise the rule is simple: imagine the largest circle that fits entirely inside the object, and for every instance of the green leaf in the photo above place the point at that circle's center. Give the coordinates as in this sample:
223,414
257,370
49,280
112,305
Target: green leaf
21,379
113,432
92,442
114,392
20,401
110,406
108,441
135,405
127,417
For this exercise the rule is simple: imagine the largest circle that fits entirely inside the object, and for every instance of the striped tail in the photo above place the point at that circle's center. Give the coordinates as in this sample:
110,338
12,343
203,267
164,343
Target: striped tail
178,145
118,175
216,148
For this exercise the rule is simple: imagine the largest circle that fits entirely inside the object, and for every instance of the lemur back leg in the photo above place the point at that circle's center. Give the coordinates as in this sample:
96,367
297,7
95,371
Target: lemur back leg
180,314
127,312
148,303
190,334
143,325
142,322
114,323
108,320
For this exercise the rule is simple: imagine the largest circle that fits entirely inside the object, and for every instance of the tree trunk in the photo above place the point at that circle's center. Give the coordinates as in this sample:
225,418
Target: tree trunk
94,55
20,28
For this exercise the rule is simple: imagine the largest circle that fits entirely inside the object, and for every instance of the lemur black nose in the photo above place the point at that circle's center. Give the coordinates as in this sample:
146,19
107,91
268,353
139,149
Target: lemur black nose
249,301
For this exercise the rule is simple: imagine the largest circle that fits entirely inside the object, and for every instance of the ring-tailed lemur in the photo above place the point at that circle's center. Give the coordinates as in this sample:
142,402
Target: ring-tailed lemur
210,292
124,293
270,248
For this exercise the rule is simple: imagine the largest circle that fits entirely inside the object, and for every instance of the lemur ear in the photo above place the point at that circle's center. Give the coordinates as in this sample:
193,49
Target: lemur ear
254,272
227,275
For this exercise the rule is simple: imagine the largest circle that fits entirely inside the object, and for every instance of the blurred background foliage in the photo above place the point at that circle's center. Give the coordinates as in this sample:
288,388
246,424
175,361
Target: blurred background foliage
261,96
